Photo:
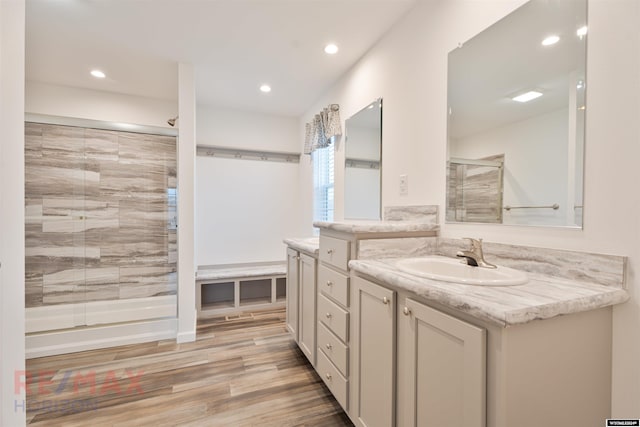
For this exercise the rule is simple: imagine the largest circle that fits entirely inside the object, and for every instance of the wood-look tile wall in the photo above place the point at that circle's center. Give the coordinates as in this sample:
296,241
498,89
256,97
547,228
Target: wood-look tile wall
99,211
474,193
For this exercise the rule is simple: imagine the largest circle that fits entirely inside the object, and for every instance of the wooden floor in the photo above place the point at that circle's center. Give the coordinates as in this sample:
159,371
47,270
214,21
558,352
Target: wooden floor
242,371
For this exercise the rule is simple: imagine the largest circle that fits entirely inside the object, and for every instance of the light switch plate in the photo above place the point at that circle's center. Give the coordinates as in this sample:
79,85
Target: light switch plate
404,185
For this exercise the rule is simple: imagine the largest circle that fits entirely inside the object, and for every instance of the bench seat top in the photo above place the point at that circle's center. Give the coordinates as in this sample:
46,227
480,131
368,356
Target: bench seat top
240,271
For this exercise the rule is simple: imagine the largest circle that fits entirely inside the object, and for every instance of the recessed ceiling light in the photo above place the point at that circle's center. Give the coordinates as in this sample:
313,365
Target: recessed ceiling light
265,88
527,96
331,49
98,74
550,40
582,31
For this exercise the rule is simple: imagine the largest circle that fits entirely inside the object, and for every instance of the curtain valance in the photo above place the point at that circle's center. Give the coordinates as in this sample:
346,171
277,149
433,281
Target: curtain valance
324,126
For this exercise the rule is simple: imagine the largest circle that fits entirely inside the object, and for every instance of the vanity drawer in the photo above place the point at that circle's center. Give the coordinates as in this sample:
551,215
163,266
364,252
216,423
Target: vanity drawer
334,380
333,348
334,284
335,252
334,317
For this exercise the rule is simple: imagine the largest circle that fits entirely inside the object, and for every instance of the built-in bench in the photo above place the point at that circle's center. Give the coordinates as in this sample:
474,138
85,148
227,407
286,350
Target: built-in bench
223,289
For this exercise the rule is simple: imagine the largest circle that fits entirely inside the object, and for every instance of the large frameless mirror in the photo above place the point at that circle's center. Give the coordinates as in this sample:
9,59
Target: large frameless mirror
516,119
363,163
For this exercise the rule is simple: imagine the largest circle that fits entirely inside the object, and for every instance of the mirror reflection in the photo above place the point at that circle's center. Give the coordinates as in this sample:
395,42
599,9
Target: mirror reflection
363,165
516,118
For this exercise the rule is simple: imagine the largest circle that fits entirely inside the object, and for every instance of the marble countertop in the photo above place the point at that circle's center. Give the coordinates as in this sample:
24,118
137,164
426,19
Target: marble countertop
305,244
542,297
378,226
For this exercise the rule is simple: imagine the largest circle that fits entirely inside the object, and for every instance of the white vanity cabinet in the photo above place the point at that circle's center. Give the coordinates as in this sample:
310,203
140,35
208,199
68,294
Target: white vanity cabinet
293,257
441,369
302,300
333,316
421,363
374,354
413,365
307,301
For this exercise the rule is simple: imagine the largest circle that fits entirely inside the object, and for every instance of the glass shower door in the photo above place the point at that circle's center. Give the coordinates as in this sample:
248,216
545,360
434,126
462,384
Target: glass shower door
56,252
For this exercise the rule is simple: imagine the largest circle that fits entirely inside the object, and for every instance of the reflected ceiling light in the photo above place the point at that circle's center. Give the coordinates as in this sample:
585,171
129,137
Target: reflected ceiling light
527,96
582,31
265,88
580,84
331,49
550,40
98,74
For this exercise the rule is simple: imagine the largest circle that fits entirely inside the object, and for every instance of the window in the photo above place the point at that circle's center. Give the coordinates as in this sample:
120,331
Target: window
322,159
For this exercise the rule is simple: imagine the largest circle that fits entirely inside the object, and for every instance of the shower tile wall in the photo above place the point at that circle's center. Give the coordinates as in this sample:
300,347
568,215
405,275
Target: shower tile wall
99,215
474,193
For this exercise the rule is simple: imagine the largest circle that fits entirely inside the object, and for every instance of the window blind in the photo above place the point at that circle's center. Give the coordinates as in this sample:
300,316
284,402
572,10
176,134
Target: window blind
323,191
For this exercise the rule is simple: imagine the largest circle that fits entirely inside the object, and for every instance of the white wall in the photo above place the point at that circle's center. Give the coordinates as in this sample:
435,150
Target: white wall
245,208
408,68
56,100
12,347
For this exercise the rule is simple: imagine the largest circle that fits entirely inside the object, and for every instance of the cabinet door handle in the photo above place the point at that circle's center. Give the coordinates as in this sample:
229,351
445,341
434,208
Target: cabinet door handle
385,300
329,251
328,376
329,283
406,311
328,315
329,346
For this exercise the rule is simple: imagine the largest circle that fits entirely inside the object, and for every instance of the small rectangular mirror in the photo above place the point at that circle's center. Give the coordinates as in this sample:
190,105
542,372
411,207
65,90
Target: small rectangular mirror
363,163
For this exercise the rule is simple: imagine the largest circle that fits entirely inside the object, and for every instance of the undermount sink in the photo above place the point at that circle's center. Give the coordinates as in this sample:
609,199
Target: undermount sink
454,270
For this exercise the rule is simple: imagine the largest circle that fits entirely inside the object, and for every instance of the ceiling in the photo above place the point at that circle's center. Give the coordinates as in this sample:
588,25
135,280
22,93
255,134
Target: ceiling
234,45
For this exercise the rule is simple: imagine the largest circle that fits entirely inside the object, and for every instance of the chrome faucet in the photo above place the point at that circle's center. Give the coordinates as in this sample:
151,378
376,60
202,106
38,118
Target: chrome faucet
474,256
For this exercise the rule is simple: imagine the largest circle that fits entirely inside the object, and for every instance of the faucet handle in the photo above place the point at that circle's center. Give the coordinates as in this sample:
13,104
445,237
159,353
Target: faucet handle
475,243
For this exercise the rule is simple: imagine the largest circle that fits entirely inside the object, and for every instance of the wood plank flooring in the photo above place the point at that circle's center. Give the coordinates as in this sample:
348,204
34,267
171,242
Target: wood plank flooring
241,371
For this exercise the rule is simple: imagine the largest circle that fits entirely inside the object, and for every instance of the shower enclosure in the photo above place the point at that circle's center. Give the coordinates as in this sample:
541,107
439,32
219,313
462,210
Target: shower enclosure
474,191
100,230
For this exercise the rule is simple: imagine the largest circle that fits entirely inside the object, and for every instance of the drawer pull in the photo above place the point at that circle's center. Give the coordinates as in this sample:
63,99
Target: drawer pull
329,251
329,346
385,300
328,376
406,311
328,315
329,283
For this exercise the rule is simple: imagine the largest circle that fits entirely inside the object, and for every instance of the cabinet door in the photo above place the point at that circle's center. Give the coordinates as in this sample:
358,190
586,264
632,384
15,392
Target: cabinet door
374,347
292,292
443,377
307,319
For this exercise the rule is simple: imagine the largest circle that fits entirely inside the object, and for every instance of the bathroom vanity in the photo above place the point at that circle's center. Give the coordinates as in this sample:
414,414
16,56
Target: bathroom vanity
399,349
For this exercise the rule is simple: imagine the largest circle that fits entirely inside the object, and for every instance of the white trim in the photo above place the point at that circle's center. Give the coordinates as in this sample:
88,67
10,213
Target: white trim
62,316
91,338
188,336
186,202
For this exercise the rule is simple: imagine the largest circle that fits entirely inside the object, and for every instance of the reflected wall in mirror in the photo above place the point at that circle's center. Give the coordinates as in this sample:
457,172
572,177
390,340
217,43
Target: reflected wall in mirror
538,144
363,163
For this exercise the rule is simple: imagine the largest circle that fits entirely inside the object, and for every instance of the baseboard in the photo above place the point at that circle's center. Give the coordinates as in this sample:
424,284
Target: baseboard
91,338
188,336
